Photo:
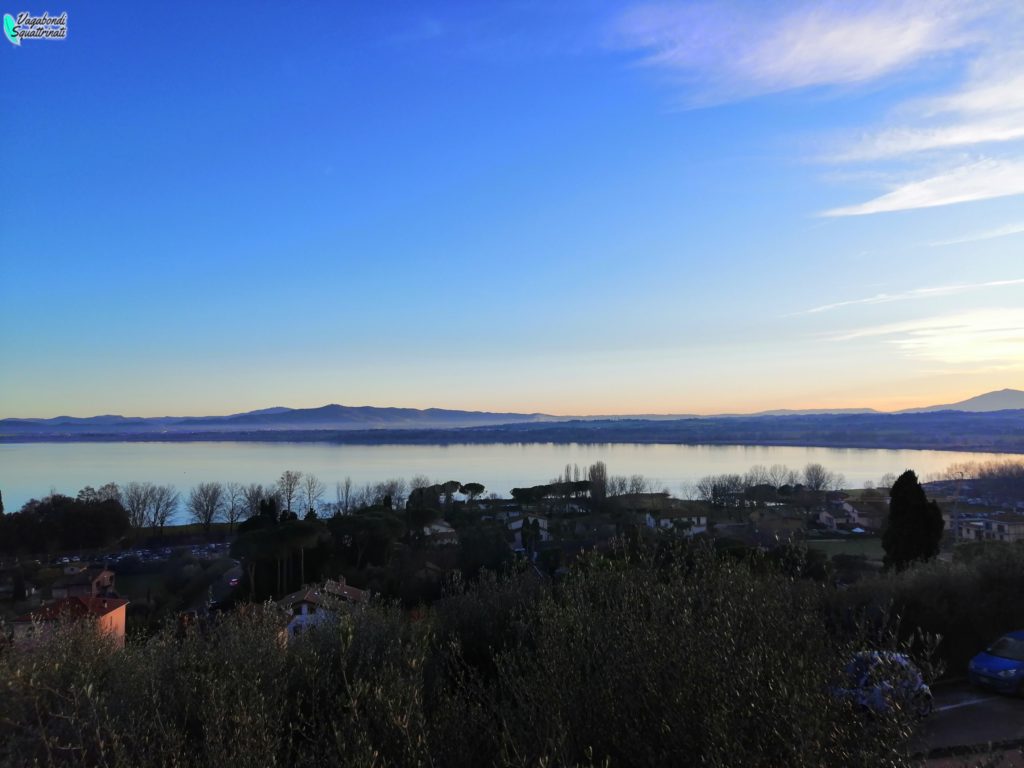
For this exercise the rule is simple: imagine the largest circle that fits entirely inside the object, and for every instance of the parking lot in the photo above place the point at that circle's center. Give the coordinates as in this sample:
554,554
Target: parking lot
967,716
146,555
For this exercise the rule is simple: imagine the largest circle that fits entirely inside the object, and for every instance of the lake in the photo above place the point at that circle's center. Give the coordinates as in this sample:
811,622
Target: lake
30,470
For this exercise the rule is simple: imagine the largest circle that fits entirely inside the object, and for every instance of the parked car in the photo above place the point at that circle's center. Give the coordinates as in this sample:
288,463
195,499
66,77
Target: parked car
1001,665
881,681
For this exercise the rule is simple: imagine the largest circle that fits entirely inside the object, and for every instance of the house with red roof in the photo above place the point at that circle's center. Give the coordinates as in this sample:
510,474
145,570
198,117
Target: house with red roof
315,604
107,613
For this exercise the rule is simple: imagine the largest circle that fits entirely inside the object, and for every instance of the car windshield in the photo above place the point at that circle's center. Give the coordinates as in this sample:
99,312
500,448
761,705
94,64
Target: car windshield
1008,648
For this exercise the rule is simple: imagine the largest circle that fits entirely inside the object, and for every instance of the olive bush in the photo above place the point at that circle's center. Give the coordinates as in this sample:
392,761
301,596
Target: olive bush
695,658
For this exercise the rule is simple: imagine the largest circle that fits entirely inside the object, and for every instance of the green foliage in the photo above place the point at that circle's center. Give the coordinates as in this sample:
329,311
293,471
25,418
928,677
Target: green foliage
914,528
62,523
472,490
689,658
483,546
280,558
968,602
366,538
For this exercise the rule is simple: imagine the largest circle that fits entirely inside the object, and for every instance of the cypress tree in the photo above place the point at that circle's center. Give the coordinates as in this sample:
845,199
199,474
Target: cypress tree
914,528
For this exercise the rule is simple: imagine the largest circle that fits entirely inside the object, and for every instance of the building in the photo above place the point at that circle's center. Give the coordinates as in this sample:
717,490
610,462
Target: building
344,592
869,515
534,520
1005,526
306,609
677,519
837,518
440,533
86,581
316,605
107,613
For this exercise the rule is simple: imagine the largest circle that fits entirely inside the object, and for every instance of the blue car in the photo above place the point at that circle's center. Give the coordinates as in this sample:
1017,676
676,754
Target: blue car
1001,665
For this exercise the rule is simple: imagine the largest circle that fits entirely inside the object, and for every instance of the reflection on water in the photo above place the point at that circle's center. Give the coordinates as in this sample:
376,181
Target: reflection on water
34,469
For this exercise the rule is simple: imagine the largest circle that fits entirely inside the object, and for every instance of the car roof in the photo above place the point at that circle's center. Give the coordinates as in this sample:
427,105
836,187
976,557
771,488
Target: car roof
1018,635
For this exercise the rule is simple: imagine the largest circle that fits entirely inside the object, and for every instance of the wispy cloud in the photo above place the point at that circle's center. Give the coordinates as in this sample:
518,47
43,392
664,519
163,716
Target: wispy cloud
981,180
894,142
988,109
916,293
987,336
725,50
729,50
992,234
985,109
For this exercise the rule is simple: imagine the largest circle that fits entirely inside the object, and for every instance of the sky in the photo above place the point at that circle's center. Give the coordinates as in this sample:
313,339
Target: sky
572,207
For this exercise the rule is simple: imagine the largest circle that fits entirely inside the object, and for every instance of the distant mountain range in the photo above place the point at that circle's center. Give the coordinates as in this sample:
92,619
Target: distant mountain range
1001,400
279,418
366,419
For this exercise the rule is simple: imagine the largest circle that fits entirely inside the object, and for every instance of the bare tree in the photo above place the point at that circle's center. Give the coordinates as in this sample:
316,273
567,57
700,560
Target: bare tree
253,496
288,486
346,494
639,484
136,499
886,481
108,492
343,496
779,475
817,478
597,474
400,492
720,490
618,485
234,504
756,475
163,504
705,488
312,492
206,504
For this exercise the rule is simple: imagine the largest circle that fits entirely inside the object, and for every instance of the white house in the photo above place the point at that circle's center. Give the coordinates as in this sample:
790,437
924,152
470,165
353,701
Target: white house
1007,527
515,525
677,520
315,605
440,533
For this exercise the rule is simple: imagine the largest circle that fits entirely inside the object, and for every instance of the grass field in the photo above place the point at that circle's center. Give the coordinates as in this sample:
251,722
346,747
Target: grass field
872,547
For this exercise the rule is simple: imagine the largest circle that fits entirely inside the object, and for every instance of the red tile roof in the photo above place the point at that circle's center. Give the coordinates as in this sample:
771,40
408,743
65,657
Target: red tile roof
346,592
74,608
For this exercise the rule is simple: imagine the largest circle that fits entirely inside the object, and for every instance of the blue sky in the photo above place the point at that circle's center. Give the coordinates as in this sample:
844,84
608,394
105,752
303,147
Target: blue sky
588,208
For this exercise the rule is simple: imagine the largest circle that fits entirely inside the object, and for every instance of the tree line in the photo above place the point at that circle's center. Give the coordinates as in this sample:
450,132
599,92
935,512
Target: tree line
761,483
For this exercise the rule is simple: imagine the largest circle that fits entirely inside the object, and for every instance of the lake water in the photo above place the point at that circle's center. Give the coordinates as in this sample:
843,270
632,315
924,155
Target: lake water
30,470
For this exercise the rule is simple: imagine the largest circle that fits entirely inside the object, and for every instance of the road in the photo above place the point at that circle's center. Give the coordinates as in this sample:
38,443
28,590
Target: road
969,716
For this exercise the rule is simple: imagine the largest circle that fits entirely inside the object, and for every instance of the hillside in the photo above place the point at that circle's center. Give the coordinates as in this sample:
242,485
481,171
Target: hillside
1001,400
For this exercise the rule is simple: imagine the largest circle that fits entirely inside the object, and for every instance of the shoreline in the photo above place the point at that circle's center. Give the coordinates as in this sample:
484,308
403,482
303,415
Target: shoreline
390,438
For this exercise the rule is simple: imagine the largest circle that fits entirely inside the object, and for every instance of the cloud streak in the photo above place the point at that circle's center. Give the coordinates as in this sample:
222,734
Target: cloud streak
917,293
982,180
992,234
896,142
988,336
725,50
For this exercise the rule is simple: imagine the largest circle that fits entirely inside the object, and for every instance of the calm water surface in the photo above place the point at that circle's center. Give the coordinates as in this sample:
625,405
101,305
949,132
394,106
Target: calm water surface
30,470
